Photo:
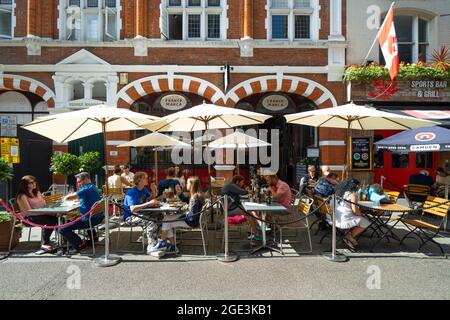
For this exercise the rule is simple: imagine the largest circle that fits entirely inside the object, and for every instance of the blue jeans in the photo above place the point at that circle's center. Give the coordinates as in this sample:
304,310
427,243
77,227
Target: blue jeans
72,237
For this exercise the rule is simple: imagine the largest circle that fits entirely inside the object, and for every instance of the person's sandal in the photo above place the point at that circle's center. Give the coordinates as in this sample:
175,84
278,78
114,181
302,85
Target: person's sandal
44,250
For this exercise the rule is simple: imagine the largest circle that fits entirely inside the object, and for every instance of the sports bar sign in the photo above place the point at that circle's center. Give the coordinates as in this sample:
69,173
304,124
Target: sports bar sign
403,90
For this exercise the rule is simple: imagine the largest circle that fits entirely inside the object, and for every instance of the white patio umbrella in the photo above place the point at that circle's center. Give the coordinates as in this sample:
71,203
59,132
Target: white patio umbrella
64,127
238,140
155,140
206,117
352,116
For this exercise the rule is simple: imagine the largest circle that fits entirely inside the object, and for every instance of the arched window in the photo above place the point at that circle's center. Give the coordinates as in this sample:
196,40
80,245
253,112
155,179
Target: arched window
99,91
13,103
78,90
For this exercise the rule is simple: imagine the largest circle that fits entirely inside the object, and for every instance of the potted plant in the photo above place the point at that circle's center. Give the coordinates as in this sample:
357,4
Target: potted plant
89,161
6,218
65,164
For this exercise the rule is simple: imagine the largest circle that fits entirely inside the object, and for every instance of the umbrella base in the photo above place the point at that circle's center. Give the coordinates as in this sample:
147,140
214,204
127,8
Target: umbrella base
230,257
107,261
338,257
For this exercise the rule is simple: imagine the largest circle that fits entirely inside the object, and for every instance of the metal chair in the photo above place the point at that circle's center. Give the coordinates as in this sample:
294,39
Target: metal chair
302,207
205,217
392,195
437,208
416,194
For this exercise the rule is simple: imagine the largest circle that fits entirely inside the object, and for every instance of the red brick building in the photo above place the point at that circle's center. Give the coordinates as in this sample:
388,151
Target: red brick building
274,56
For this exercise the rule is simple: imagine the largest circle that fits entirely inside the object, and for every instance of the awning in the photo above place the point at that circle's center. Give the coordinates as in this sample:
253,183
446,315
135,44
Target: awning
442,116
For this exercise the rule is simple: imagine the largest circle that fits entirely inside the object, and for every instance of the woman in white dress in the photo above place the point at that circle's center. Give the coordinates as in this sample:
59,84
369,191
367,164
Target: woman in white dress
348,215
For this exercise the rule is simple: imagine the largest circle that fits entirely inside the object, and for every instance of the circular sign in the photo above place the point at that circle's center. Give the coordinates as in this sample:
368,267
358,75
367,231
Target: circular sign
275,102
173,102
365,156
357,156
425,136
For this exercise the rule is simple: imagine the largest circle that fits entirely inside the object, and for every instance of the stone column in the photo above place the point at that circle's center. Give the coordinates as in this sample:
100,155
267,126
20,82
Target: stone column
247,19
336,20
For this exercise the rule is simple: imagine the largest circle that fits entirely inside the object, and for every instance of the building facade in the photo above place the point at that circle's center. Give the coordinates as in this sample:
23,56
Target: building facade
422,29
157,57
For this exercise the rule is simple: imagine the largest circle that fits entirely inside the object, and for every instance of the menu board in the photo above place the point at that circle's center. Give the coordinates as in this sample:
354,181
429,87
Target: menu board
361,154
300,171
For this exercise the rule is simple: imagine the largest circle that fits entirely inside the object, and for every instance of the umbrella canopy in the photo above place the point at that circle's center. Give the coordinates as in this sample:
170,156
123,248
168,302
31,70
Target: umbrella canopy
352,116
207,116
155,139
238,140
68,126
417,140
64,127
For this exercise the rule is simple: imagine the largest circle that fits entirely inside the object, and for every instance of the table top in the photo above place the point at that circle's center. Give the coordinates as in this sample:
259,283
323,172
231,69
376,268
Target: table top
53,210
387,207
163,208
274,207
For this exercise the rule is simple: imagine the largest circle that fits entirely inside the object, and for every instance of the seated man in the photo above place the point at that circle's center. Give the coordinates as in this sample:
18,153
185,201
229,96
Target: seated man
442,179
422,178
376,194
234,190
312,176
137,198
326,185
169,182
88,196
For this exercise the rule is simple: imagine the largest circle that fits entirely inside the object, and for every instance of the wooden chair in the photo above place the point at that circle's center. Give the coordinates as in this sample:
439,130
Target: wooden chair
416,194
437,208
302,207
393,195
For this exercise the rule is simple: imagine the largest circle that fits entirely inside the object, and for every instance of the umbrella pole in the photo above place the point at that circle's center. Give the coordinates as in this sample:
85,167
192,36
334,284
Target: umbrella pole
156,165
106,260
334,256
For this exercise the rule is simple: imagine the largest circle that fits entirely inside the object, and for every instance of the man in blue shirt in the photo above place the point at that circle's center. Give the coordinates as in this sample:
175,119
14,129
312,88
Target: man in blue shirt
137,198
88,196
326,185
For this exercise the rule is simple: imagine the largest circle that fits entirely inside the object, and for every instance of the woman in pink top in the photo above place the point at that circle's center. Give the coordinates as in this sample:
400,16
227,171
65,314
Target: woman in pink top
29,197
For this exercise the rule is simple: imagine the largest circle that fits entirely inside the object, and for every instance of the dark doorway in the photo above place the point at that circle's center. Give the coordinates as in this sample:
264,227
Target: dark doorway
35,154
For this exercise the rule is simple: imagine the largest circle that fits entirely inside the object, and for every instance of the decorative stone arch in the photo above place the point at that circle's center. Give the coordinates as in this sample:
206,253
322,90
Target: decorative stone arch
15,82
162,83
310,89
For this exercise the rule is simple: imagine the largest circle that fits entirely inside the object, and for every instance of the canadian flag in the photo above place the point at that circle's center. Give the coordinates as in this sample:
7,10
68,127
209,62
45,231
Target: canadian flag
388,42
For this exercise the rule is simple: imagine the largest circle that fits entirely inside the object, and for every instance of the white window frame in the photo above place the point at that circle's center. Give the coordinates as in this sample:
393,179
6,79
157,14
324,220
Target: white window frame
101,11
291,12
185,10
10,8
415,37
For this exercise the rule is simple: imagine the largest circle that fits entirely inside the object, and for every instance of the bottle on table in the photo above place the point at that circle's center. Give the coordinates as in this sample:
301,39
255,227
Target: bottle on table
269,197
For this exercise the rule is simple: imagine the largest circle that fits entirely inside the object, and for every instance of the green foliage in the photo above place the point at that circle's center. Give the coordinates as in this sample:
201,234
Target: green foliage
420,70
65,164
5,170
89,161
5,217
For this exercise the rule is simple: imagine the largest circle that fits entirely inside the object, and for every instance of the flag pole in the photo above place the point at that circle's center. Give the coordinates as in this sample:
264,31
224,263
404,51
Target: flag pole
378,34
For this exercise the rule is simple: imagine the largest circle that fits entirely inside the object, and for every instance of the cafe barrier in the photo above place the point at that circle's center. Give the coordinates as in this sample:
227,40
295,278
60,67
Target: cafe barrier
227,256
28,222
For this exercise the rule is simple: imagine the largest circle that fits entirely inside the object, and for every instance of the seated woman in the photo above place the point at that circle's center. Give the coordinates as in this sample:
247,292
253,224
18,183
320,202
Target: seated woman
189,220
116,180
29,197
312,176
442,179
348,215
376,194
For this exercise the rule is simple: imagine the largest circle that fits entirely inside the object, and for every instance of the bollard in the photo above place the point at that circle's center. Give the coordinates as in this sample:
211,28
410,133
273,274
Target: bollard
107,260
227,256
382,178
446,197
334,255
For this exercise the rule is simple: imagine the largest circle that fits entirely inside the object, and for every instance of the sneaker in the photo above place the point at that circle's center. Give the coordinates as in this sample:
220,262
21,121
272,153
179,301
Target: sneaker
172,249
161,245
255,237
157,254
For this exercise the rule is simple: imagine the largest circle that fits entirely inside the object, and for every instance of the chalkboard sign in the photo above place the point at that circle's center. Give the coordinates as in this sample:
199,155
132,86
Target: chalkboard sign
300,171
361,154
